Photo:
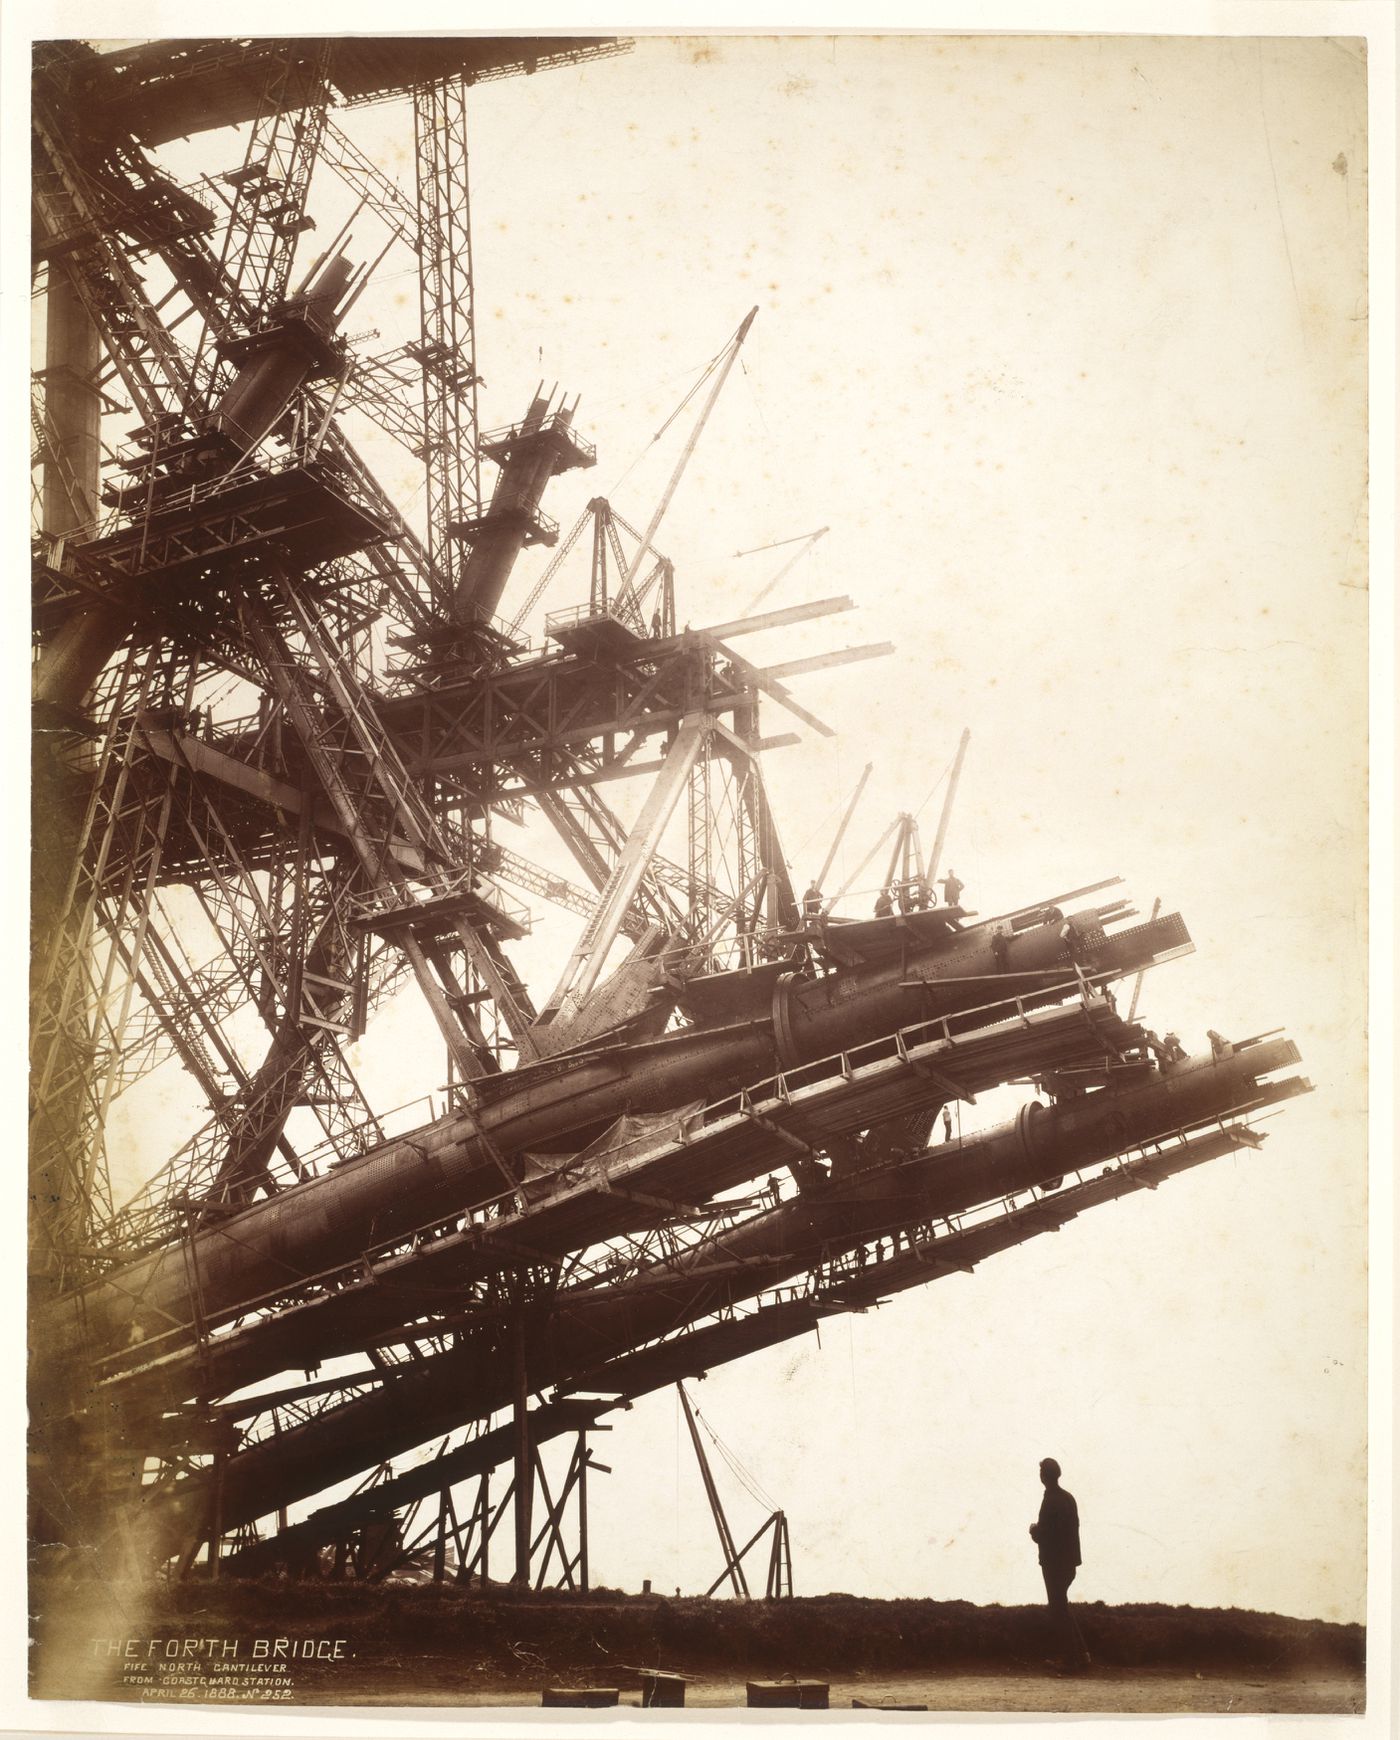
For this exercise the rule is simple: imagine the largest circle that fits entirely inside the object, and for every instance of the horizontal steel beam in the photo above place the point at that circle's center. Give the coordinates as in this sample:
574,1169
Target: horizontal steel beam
828,661
777,618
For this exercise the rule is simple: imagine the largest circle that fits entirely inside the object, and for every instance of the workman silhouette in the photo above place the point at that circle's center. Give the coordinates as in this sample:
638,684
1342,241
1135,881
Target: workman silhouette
1056,1533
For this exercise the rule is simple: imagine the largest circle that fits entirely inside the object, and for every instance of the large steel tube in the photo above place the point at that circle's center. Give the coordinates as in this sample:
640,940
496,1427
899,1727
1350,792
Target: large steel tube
295,348
283,359
814,1017
1041,1142
687,1156
73,660
445,1168
72,406
499,536
596,1324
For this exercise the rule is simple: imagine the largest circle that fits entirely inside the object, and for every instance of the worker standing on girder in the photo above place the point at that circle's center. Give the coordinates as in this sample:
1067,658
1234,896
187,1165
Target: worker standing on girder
952,888
812,903
1056,1533
884,903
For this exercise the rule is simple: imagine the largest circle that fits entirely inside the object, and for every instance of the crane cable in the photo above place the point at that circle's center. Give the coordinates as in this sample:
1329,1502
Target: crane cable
747,1480
933,790
699,382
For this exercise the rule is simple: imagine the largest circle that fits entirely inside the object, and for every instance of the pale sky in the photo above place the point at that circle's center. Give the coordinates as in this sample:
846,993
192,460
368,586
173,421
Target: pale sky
1066,341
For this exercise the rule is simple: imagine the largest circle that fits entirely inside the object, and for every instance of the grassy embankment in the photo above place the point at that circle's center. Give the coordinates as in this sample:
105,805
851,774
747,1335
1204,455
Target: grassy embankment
503,1636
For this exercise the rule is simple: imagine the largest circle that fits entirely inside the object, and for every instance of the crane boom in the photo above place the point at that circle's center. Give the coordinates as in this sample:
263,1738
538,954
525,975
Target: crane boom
634,568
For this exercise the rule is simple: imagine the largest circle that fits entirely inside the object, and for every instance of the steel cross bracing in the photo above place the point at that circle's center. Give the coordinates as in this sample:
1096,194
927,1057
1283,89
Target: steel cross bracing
210,843
515,708
288,950
89,933
408,400
581,818
725,846
343,839
144,355
267,212
446,359
157,373
553,723
186,1010
583,967
127,329
361,772
265,789
235,531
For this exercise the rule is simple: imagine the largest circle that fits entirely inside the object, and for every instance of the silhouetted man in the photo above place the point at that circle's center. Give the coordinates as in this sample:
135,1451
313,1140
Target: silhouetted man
812,903
1056,1533
952,888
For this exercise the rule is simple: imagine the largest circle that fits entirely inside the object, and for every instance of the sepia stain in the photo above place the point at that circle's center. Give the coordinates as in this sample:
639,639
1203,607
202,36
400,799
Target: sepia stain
1339,163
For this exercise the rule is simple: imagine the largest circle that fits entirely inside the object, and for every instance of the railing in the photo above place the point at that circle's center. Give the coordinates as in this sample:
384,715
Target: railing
500,1208
428,665
576,614
468,880
129,515
416,1114
509,433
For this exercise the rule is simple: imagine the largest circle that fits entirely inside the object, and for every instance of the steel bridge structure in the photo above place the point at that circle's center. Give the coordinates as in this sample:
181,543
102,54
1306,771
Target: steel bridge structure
277,731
